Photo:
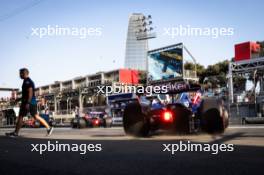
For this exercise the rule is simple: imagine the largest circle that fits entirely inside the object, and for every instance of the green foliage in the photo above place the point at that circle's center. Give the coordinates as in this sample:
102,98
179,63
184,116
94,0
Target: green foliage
190,66
215,74
142,77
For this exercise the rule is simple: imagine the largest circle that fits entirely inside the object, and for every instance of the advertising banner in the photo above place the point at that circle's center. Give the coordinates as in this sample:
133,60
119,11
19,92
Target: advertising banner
165,63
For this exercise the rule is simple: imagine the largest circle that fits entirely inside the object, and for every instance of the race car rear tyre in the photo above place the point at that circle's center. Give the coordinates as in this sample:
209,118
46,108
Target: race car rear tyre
81,123
78,123
182,119
214,116
134,121
74,123
107,123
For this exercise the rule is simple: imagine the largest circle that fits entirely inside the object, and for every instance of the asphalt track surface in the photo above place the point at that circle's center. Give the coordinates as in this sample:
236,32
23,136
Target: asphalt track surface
123,154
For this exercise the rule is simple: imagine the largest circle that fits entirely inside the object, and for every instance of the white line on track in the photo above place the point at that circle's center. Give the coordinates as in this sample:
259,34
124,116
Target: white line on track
247,126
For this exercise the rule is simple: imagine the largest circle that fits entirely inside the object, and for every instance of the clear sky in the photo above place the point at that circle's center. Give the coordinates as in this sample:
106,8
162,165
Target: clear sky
64,57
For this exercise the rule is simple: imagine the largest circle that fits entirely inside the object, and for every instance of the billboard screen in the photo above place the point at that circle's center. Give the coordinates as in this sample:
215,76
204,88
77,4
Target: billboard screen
165,63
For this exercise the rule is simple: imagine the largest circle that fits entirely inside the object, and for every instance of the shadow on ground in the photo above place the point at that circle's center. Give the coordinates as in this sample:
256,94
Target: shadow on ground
130,157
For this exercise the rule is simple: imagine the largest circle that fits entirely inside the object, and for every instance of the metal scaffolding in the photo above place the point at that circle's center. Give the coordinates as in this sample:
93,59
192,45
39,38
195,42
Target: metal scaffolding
247,110
243,67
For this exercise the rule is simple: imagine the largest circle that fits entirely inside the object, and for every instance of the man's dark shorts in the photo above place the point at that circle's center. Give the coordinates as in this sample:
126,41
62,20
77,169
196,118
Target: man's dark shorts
23,111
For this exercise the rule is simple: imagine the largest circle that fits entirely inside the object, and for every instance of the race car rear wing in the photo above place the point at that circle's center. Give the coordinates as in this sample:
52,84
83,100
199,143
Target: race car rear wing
175,87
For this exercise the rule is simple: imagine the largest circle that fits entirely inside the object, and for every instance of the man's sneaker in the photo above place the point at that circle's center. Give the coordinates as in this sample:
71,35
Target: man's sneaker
49,131
11,134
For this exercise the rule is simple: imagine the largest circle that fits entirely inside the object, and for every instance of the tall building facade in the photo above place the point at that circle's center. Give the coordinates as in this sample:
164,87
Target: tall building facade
136,49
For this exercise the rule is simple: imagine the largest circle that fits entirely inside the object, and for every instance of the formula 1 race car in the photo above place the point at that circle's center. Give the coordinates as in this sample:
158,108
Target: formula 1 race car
92,119
187,111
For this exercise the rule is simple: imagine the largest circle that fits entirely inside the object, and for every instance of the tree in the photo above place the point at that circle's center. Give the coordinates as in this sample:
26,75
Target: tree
215,73
199,68
142,77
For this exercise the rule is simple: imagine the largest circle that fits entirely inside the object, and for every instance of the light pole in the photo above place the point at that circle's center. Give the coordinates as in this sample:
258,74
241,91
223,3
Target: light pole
144,28
57,98
145,31
255,98
69,104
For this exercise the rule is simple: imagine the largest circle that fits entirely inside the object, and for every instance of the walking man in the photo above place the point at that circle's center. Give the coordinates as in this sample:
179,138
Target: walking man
28,104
